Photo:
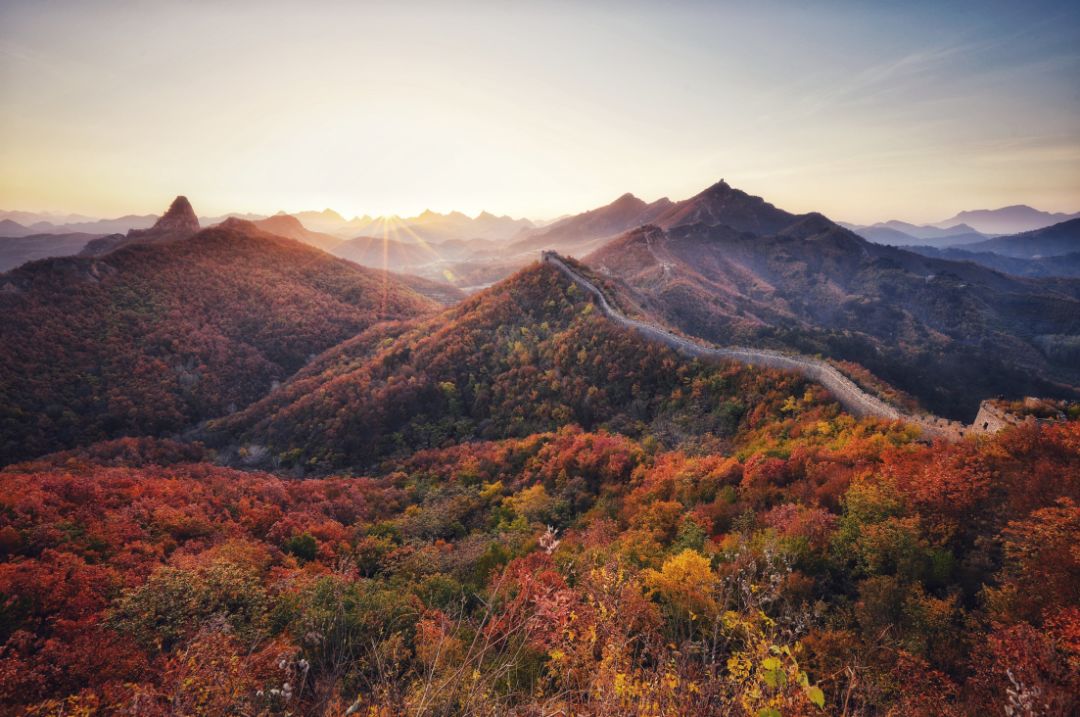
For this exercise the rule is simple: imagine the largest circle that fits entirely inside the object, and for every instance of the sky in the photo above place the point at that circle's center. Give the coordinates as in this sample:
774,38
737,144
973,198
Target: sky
864,111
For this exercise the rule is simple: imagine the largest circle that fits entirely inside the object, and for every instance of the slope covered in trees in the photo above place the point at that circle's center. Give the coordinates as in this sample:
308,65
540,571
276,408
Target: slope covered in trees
514,506
530,354
1063,238
155,336
817,566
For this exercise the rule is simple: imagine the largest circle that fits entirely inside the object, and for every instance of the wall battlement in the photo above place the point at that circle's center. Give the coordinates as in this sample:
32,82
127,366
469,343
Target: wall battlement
991,418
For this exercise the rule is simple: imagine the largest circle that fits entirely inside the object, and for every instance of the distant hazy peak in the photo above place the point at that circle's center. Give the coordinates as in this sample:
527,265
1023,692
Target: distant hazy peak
242,224
1007,220
282,220
626,201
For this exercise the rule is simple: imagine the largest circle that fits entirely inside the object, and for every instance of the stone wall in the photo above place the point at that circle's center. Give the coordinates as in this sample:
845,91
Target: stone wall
854,399
992,418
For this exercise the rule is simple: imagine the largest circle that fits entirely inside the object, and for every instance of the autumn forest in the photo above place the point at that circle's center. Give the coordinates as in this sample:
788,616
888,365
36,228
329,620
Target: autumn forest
539,359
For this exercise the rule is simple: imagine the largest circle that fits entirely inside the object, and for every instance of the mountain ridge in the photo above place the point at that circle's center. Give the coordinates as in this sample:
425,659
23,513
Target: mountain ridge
159,334
1007,220
818,288
1061,238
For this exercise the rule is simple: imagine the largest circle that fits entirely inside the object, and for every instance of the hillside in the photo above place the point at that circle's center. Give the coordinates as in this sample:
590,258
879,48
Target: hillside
290,227
579,230
438,291
890,235
9,228
858,567
1062,265
918,323
1063,238
16,251
386,253
157,335
529,354
718,204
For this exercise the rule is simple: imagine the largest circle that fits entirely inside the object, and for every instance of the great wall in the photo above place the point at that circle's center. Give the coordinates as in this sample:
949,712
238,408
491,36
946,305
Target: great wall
855,400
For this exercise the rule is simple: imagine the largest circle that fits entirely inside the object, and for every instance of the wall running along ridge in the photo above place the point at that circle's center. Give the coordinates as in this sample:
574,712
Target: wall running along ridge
855,400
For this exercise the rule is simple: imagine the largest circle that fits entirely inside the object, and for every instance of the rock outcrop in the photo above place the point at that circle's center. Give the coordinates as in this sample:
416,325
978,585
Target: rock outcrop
178,222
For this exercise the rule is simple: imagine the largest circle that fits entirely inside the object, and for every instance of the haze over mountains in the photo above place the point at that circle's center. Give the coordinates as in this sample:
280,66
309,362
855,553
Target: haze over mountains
426,226
474,251
1008,220
897,233
964,228
1054,240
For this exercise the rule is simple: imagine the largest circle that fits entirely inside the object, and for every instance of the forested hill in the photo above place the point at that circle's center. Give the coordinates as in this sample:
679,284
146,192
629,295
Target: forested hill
530,354
157,335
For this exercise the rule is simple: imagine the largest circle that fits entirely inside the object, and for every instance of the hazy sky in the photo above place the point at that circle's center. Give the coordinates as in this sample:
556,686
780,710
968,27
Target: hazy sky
862,110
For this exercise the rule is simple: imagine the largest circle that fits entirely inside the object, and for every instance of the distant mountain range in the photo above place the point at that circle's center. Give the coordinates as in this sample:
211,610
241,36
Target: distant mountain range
897,233
12,227
1062,265
625,212
386,253
17,250
285,225
1055,240
475,251
583,232
1008,220
17,224
964,228
919,323
428,226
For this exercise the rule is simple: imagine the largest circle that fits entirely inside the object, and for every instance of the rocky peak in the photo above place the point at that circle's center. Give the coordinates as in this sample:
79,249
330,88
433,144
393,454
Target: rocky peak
179,221
723,204
721,187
